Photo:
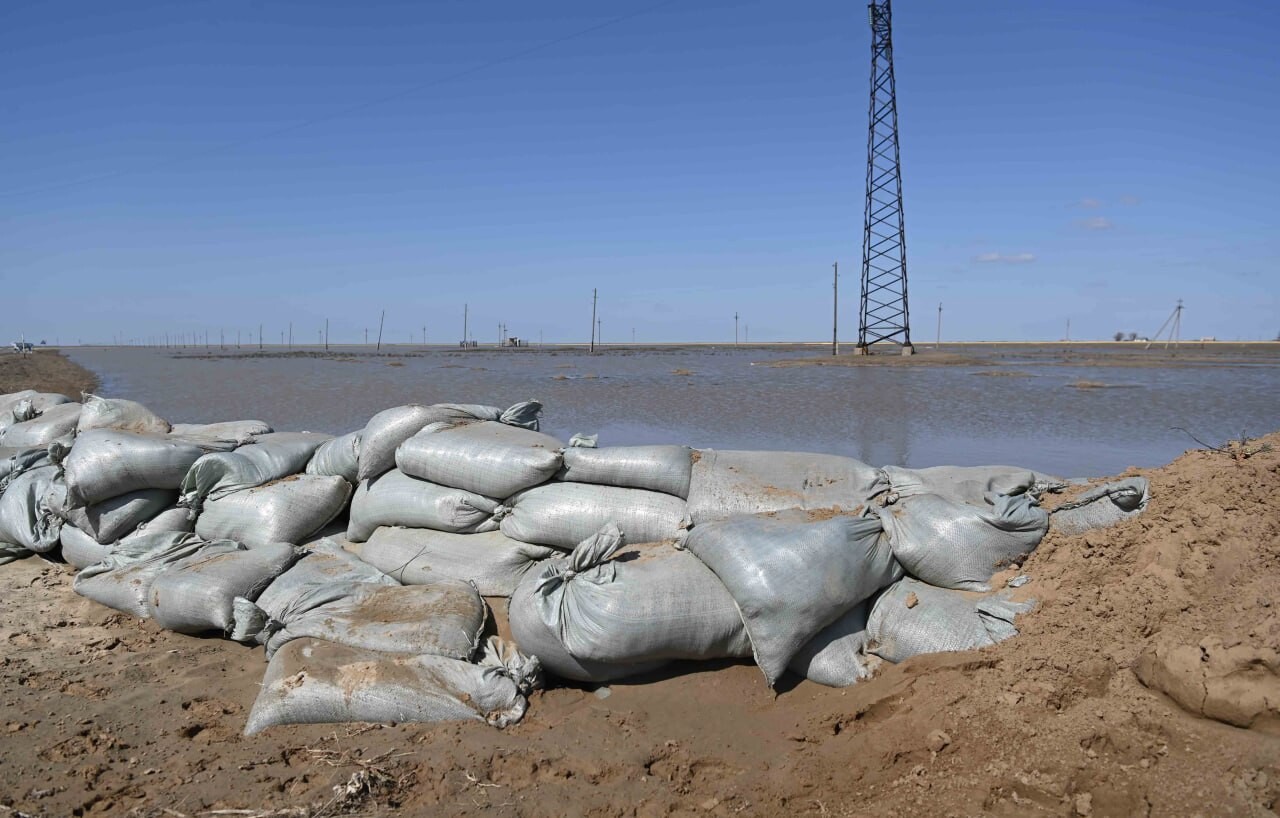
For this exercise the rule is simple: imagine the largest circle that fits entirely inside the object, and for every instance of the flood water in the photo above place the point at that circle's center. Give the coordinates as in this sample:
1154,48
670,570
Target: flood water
732,399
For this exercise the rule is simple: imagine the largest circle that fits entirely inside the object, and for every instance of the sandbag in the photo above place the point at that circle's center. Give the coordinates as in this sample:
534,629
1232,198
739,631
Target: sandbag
604,610
55,423
911,618
269,457
233,433
386,430
324,565
312,681
398,499
492,561
969,484
9,401
15,461
792,576
958,545
195,594
19,407
656,468
442,618
27,523
123,579
486,457
836,656
79,550
725,483
116,517
1102,506
105,463
122,415
338,457
564,514
287,510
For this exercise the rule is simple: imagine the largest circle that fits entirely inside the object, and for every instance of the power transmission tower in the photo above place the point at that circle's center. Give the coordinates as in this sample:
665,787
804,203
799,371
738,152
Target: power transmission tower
883,314
1175,331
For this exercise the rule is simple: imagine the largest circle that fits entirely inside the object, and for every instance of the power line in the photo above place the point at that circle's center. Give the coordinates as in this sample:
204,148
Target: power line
342,112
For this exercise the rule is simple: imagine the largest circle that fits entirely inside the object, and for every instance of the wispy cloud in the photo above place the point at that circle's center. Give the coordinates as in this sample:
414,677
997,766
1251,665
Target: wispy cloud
1091,204
1129,200
1005,258
1097,223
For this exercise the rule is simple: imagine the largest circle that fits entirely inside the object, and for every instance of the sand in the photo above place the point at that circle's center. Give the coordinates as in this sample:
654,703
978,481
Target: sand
45,370
104,714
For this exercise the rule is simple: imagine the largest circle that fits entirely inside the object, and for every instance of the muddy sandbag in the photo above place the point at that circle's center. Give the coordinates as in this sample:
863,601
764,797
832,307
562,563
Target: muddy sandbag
56,423
1102,506
311,681
105,463
115,517
657,468
26,520
486,457
442,618
269,457
122,580
792,576
912,617
958,545
564,514
28,405
385,431
492,561
969,484
323,564
287,510
232,432
196,594
338,457
120,414
725,483
836,656
607,609
397,499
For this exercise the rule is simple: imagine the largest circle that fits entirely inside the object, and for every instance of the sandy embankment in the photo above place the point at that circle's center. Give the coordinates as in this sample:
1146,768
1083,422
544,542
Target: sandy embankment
45,370
104,714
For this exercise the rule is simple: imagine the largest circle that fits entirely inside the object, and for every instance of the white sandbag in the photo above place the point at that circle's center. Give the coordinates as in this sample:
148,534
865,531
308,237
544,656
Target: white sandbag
339,456
486,457
115,517
606,611
15,461
171,519
836,656
325,564
398,499
79,550
196,594
122,580
9,401
232,432
28,405
492,561
793,576
958,545
656,468
105,463
122,415
26,520
55,423
269,457
312,681
386,430
564,514
911,618
287,510
725,483
969,484
1102,506
442,618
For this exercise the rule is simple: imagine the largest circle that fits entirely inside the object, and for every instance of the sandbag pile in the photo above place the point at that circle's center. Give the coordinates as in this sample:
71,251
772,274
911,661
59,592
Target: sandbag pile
616,560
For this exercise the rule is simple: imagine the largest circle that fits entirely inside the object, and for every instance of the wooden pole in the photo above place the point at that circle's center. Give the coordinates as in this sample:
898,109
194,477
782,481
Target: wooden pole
381,321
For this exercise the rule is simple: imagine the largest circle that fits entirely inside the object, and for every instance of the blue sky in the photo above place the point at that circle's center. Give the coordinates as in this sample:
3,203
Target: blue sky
194,166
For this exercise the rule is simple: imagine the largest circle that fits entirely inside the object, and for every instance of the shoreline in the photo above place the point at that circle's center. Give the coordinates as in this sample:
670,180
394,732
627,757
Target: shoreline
46,370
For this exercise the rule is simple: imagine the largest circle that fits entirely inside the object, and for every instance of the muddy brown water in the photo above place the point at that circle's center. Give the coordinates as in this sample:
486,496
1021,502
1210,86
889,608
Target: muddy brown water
1044,410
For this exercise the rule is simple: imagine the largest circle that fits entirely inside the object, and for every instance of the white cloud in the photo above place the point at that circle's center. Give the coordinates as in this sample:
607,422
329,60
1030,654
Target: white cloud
1097,223
1129,200
1091,204
1002,258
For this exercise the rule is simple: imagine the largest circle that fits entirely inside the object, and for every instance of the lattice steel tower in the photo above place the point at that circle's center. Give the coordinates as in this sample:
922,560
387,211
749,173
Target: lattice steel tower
883,314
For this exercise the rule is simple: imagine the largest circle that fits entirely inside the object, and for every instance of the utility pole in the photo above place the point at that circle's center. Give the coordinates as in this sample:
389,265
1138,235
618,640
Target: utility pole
290,335
938,343
237,340
464,327
600,332
326,335
259,337
594,296
381,321
735,328
633,336
366,336
835,308
746,332
1068,338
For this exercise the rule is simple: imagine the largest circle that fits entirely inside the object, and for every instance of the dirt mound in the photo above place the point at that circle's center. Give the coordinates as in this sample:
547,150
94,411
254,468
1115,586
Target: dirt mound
107,715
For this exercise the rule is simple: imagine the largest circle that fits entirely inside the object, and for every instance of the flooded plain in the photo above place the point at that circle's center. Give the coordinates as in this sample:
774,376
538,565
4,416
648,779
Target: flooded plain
1059,412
